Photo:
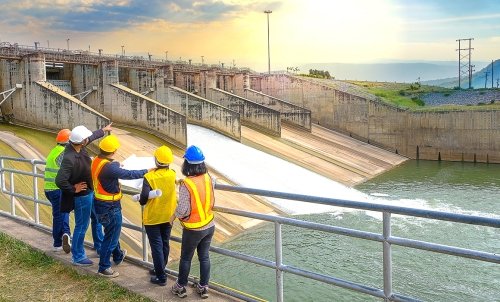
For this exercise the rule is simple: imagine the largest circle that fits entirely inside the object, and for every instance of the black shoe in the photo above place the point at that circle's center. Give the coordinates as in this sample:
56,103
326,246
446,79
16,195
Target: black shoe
152,272
155,280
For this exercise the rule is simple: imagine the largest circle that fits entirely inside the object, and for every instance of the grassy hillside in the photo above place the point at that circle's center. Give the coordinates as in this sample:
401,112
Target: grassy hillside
399,94
29,275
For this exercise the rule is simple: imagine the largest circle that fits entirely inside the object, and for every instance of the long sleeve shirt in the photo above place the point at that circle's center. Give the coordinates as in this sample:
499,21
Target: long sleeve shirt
75,168
183,209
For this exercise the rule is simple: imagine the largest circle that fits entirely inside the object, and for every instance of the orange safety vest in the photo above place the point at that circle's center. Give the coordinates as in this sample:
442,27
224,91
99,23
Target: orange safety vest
202,201
99,192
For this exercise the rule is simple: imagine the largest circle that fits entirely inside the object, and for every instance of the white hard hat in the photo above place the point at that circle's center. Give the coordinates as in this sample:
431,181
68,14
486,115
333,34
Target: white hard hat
79,134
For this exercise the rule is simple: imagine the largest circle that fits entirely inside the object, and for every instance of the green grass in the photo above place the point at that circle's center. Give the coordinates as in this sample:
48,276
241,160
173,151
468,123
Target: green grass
29,275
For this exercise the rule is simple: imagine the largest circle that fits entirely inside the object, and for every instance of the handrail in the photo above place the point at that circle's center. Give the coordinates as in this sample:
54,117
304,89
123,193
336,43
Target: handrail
385,238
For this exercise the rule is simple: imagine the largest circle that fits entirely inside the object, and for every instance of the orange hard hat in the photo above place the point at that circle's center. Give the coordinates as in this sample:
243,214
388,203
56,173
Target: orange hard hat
63,136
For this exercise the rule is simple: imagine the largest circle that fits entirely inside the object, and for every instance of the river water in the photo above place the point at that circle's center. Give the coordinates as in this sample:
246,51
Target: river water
465,188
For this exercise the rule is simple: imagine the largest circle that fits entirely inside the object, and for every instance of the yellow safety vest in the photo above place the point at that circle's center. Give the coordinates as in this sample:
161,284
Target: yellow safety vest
160,209
202,201
51,169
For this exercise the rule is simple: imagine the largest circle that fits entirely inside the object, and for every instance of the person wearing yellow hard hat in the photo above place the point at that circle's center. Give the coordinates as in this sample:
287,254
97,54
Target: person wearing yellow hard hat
107,202
158,210
75,181
60,220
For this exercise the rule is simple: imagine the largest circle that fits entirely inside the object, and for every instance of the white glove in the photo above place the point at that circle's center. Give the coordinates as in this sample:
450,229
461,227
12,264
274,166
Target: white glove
152,194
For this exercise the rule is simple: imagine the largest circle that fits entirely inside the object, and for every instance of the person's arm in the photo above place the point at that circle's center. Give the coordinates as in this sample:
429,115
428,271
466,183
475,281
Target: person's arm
115,171
146,188
64,174
59,159
183,209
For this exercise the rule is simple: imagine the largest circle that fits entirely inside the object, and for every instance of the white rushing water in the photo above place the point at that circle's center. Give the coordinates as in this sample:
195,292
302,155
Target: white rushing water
252,168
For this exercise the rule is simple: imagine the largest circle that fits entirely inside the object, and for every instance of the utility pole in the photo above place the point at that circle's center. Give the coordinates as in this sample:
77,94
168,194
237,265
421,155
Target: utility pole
464,67
486,73
267,12
492,74
123,50
67,43
202,60
36,45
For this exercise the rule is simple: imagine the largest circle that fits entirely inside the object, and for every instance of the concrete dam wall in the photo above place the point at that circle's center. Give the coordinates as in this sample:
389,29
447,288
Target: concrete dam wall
468,135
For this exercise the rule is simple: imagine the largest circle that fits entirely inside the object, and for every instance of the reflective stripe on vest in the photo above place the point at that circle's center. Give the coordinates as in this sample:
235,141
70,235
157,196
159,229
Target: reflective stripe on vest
99,192
51,168
200,190
160,209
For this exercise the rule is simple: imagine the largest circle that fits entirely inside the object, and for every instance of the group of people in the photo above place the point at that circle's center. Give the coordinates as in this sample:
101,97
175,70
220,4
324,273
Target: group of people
90,188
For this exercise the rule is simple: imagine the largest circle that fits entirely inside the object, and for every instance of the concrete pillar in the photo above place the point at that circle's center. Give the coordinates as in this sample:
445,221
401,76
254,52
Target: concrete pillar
85,78
211,79
10,75
108,75
238,83
170,75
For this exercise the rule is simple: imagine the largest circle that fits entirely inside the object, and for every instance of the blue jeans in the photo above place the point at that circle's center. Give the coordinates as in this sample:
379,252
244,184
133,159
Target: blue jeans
83,207
97,234
191,241
60,221
109,215
159,236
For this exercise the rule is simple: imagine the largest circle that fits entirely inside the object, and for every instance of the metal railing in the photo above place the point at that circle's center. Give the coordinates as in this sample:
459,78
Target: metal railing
277,264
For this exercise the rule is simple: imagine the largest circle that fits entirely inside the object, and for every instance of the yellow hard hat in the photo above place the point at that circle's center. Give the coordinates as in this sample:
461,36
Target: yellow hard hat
163,155
109,144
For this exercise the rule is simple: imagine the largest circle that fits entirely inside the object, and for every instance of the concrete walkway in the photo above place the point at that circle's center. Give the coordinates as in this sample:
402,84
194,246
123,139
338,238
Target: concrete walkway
132,277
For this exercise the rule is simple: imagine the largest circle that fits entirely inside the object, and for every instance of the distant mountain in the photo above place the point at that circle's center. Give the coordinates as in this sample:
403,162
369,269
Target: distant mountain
478,80
388,72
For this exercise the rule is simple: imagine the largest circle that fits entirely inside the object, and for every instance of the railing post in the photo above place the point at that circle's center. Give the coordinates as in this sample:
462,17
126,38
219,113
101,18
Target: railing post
144,239
35,193
12,198
278,248
2,176
387,256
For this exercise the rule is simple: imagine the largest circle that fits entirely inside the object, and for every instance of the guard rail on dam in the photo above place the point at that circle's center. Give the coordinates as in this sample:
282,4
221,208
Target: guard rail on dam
11,179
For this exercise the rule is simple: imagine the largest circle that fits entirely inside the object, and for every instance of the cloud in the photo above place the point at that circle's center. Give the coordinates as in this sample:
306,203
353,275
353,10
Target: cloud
110,15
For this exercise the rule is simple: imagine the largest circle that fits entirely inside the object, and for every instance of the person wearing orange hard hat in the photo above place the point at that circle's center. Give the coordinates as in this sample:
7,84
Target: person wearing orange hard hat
60,221
75,181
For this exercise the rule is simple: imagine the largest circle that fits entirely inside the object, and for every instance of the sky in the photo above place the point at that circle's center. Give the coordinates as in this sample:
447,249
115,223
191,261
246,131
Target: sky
235,32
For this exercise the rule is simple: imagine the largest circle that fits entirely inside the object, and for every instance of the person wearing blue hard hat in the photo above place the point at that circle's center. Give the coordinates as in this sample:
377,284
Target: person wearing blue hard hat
194,211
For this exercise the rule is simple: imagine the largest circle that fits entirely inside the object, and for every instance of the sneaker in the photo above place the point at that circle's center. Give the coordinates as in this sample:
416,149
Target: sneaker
66,243
57,249
108,273
124,252
152,272
179,291
160,282
84,262
202,291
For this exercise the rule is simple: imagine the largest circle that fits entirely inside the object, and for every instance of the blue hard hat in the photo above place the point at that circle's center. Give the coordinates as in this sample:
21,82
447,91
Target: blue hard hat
194,155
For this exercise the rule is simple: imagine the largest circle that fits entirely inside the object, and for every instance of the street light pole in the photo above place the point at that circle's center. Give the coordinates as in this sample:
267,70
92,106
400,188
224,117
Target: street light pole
123,50
267,12
202,60
67,43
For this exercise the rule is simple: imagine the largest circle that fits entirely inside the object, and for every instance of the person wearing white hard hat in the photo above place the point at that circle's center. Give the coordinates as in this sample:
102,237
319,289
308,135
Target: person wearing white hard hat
75,181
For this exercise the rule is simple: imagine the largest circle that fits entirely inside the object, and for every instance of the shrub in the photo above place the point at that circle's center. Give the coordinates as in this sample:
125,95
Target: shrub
402,92
446,94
